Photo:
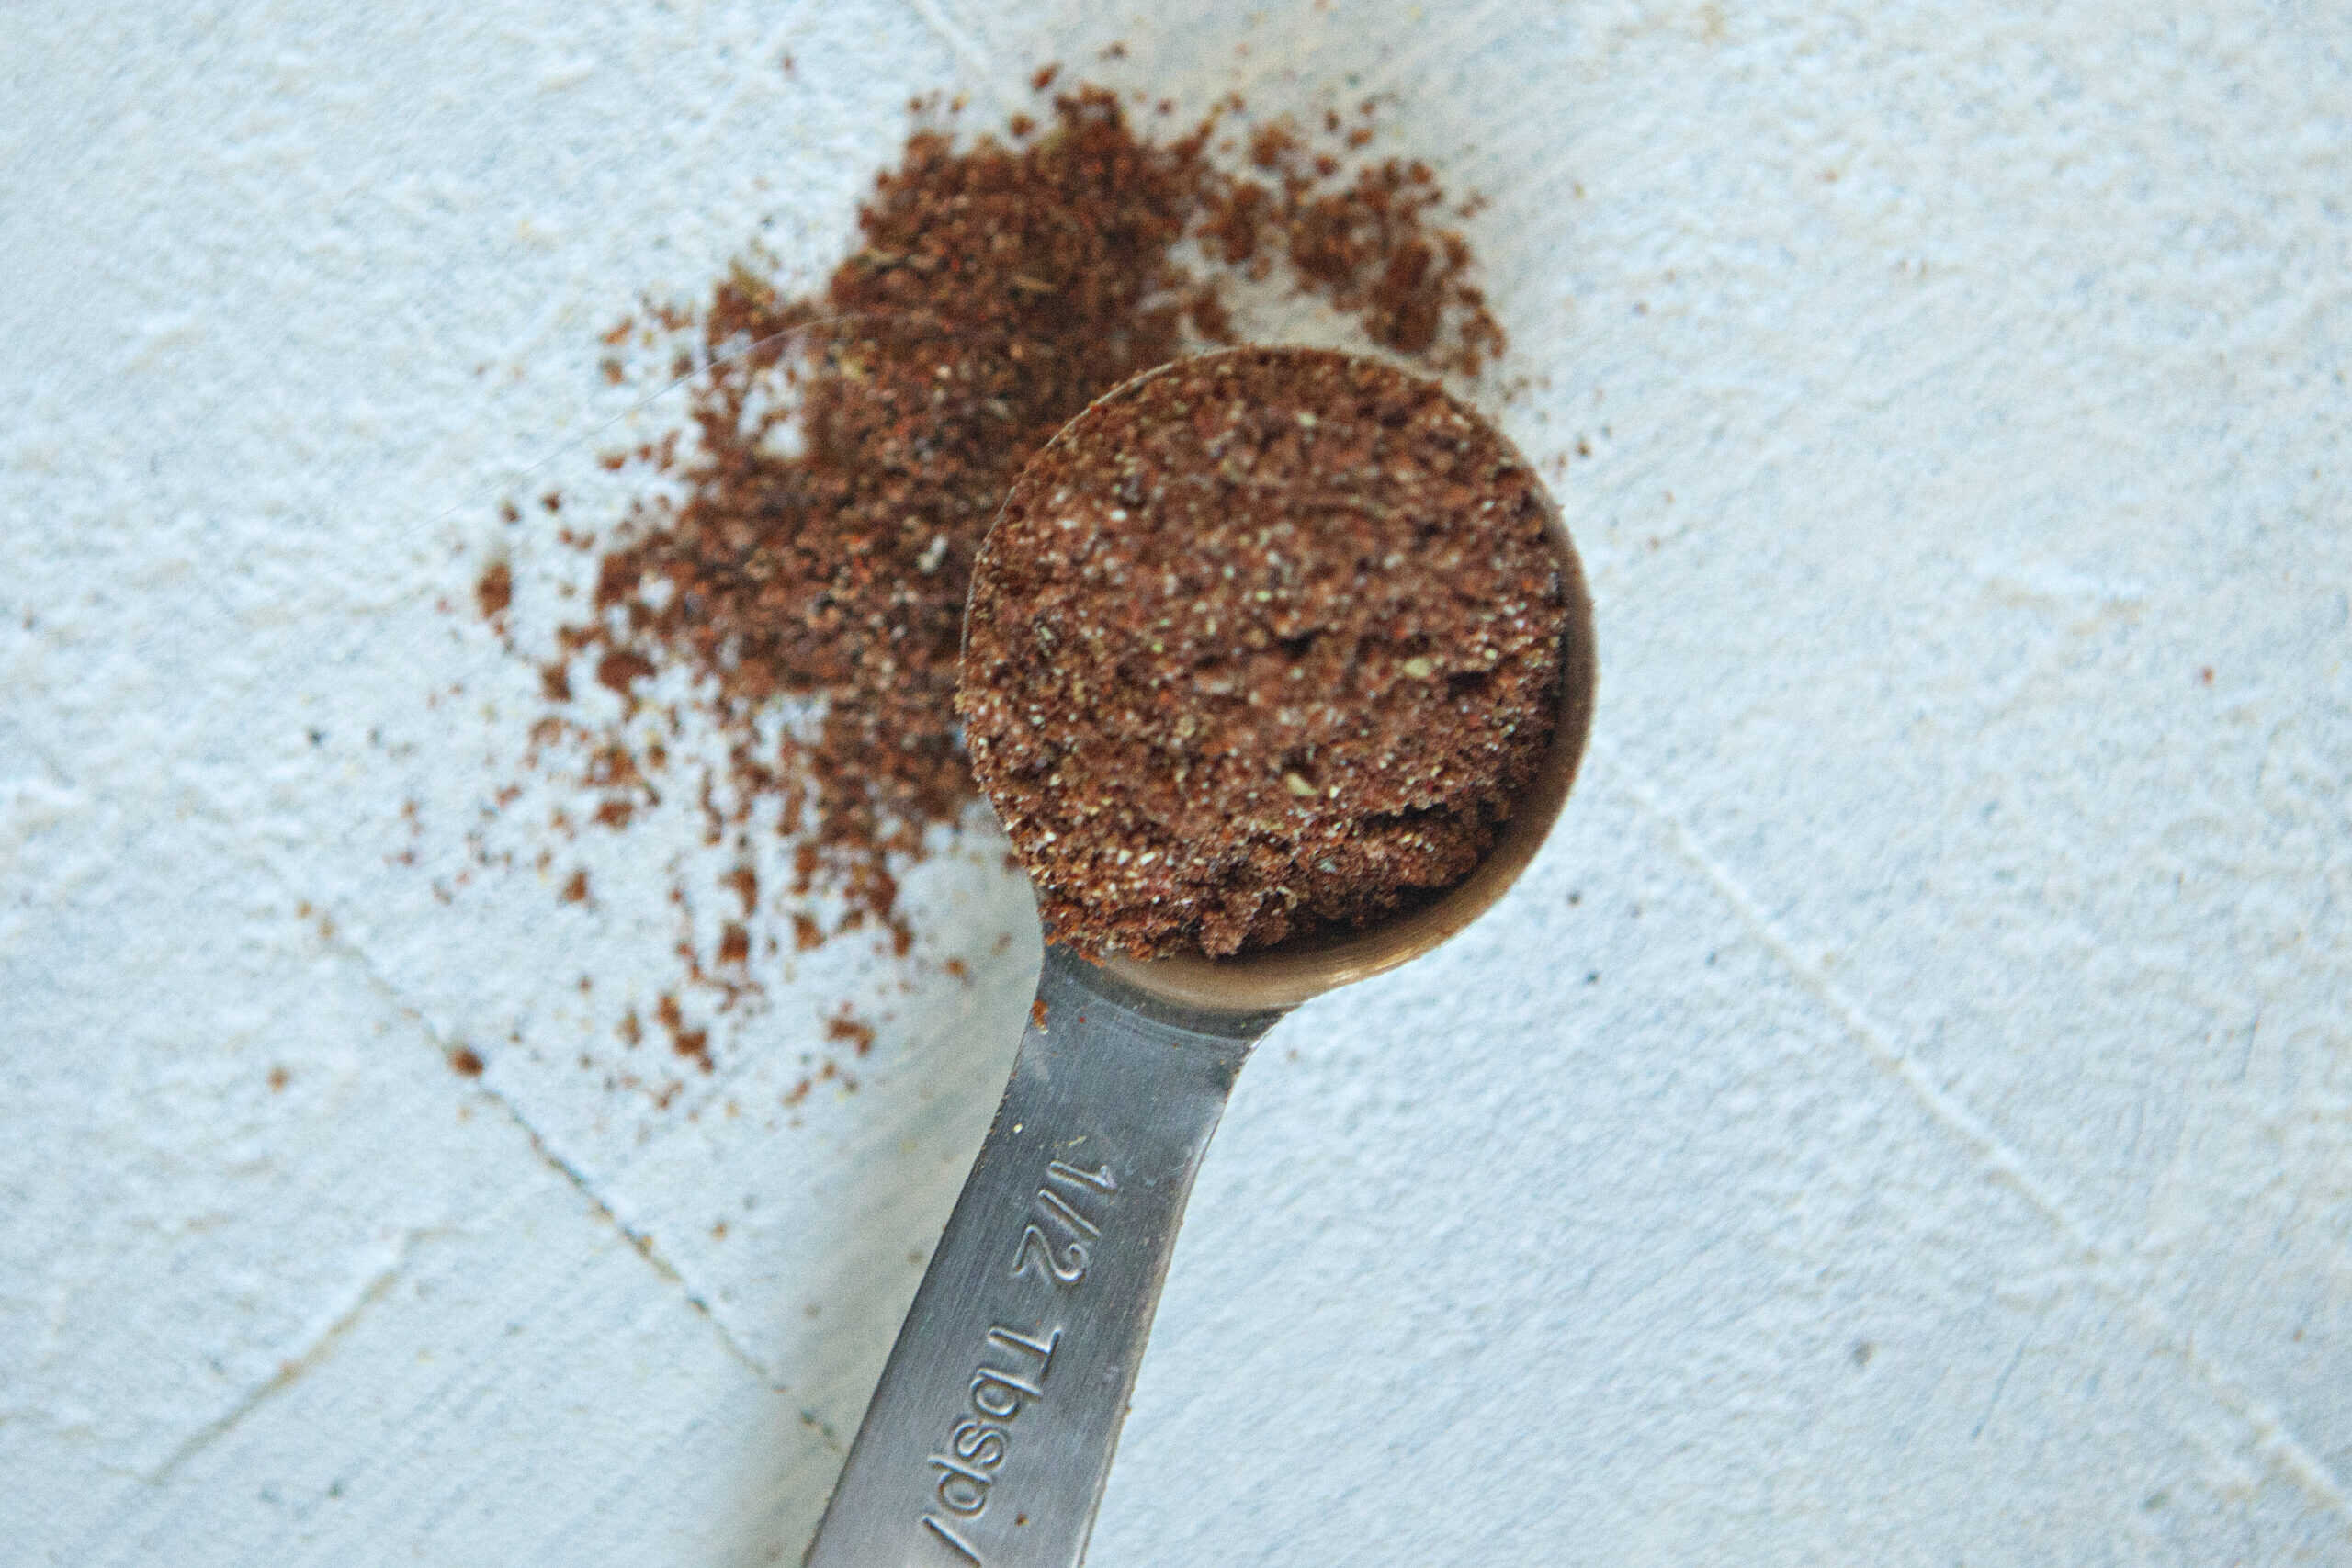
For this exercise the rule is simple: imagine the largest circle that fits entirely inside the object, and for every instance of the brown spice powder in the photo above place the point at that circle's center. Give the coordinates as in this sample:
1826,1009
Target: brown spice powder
1267,641
850,448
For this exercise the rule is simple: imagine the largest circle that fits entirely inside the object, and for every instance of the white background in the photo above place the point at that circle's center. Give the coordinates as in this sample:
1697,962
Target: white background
1906,1116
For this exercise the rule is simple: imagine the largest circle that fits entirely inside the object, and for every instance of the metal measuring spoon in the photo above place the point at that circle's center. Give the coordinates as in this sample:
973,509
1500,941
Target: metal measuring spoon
988,1439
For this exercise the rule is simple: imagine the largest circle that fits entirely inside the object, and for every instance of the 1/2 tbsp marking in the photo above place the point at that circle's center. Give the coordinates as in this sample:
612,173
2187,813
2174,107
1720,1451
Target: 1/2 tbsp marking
1010,1375
1054,1244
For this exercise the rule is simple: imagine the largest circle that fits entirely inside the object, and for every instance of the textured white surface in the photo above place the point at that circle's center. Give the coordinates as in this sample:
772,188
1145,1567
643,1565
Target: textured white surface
1906,1116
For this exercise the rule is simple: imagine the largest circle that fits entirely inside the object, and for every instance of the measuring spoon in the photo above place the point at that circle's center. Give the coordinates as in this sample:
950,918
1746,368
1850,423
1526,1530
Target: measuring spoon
988,1439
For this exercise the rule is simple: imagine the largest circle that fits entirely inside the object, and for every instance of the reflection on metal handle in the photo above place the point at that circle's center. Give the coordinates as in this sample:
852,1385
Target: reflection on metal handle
990,1436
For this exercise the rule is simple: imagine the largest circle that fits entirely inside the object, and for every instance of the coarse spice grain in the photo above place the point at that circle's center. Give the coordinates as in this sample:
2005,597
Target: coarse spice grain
847,448
1265,642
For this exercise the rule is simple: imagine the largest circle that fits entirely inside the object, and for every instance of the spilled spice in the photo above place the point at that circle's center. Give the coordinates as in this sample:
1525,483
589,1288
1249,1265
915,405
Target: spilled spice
808,547
1266,642
494,590
843,1028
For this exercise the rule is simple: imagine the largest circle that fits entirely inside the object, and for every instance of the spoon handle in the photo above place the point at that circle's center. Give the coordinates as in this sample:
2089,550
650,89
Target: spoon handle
990,1436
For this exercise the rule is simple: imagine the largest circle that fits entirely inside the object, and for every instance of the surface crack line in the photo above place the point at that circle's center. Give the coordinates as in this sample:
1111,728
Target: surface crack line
640,1242
293,1368
2100,1265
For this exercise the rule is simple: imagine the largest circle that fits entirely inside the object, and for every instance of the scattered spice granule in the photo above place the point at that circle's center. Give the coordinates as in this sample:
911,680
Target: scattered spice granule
691,1044
847,447
855,1032
466,1062
575,891
494,590
1266,642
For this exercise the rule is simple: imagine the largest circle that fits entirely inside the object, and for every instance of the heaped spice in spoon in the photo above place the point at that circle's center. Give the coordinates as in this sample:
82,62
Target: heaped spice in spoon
1266,642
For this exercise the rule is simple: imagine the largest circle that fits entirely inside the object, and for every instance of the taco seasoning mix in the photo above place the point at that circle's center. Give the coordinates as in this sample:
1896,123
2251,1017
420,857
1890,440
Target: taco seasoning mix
807,535
1265,642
